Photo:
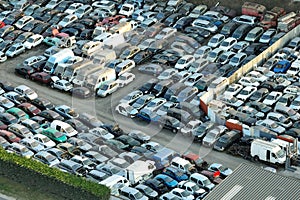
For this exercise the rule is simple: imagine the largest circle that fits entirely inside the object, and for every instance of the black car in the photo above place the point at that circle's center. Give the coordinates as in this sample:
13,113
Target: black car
13,35
71,31
201,131
7,118
259,94
42,103
241,31
40,12
77,125
63,6
81,92
126,139
31,25
161,87
24,71
171,20
113,129
199,31
5,45
86,34
147,87
156,185
294,132
229,28
183,22
170,123
40,28
142,57
13,17
227,140
48,15
50,115
88,23
23,37
57,18
253,48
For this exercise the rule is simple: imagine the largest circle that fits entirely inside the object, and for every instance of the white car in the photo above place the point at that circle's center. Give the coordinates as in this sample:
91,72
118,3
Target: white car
53,3
216,40
225,57
272,98
68,20
184,62
101,132
257,76
272,125
239,46
73,7
248,81
202,52
232,101
154,104
233,89
125,79
166,33
124,109
245,19
26,92
205,25
3,57
23,21
294,68
103,36
217,16
15,50
237,59
193,79
190,127
33,59
44,140
182,194
228,43
63,85
146,43
280,119
107,89
167,74
33,41
246,92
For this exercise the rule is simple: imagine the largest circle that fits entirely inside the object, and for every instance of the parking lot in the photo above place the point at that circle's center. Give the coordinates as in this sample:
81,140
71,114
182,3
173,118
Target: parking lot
205,61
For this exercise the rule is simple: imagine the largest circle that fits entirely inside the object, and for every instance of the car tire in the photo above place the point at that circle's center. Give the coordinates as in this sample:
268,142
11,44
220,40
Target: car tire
174,130
256,158
52,85
26,76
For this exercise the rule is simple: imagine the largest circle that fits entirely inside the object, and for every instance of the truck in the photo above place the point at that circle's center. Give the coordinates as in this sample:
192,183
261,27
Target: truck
138,171
71,71
271,17
82,74
288,22
61,57
95,80
104,55
267,151
254,9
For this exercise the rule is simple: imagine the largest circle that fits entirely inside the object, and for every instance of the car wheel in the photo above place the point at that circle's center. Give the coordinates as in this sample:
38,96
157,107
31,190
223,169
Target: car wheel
174,130
256,158
52,85
160,126
26,76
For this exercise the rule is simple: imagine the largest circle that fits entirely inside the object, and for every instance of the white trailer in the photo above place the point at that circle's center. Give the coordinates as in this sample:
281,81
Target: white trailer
138,171
267,151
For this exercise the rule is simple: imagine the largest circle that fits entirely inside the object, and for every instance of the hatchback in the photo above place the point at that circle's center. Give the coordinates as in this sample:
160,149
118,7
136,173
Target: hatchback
15,50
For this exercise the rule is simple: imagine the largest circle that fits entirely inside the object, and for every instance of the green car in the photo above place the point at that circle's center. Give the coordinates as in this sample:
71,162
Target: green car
18,113
51,41
54,135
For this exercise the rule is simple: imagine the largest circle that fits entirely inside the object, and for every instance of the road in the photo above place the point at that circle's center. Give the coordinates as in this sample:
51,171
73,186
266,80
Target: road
103,108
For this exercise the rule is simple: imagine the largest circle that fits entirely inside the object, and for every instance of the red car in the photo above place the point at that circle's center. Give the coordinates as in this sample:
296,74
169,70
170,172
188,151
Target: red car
29,109
9,136
41,77
2,126
2,24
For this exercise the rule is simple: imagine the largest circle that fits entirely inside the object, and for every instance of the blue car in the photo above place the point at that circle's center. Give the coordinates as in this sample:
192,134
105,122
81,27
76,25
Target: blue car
166,180
212,20
175,174
148,116
282,66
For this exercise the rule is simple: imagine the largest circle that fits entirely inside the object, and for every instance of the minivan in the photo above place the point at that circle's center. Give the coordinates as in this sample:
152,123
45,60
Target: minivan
254,34
202,181
124,66
241,31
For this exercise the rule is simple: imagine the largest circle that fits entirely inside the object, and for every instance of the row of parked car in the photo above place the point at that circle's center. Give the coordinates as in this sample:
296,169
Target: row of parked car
79,143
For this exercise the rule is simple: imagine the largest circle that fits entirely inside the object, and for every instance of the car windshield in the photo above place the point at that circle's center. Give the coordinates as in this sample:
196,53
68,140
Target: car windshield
69,129
185,193
234,60
291,112
31,40
104,87
34,143
181,61
214,40
206,182
280,153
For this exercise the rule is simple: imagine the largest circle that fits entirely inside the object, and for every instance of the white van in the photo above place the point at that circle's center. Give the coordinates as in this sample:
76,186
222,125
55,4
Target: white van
91,47
115,182
98,78
125,66
63,127
127,9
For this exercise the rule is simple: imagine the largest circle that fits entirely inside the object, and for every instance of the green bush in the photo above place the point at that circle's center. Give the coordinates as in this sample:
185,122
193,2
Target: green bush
78,182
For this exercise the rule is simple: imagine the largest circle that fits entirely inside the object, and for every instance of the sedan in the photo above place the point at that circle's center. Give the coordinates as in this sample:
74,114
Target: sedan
15,50
272,125
233,89
33,41
166,180
44,140
46,158
41,77
272,98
